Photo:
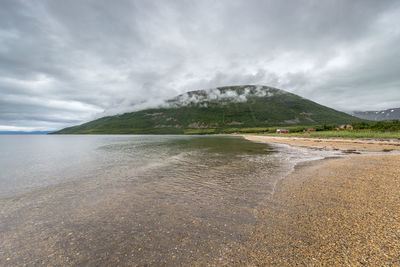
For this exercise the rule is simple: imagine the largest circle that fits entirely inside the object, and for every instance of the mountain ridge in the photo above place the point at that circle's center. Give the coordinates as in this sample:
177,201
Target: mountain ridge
379,115
242,106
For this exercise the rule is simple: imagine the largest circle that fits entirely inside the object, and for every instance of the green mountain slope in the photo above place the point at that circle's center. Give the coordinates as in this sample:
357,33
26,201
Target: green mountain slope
219,108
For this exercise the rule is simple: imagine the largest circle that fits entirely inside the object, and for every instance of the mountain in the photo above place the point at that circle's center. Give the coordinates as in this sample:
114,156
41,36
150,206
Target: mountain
22,132
216,109
380,115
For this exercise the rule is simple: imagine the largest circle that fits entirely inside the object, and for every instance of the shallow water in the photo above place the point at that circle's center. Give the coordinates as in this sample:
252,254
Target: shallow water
94,200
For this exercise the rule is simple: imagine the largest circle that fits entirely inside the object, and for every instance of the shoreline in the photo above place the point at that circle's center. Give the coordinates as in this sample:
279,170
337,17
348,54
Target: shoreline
340,211
332,144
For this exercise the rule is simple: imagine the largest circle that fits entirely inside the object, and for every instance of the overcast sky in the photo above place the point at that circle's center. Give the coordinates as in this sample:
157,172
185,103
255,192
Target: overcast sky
66,62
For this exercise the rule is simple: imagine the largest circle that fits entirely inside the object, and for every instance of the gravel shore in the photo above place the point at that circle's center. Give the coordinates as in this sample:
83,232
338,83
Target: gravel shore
342,211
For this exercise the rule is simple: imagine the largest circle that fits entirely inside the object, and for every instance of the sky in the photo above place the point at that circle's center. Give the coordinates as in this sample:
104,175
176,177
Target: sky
67,62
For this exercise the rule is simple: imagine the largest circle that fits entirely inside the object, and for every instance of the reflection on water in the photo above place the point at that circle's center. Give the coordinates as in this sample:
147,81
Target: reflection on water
95,200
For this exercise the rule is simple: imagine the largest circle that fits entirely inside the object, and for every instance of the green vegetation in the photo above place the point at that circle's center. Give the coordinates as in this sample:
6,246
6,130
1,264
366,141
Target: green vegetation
252,109
381,129
380,126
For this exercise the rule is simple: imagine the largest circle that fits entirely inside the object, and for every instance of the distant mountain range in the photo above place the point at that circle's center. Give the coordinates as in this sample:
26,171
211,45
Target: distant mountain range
380,115
216,109
21,132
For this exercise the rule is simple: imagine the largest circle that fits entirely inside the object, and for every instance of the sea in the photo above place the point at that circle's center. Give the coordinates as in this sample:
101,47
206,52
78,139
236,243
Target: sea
135,200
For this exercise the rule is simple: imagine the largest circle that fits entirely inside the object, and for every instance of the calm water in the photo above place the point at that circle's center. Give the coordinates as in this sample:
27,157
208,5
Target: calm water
98,200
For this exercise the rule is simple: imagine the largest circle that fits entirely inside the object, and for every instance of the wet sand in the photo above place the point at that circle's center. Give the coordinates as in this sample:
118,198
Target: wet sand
333,212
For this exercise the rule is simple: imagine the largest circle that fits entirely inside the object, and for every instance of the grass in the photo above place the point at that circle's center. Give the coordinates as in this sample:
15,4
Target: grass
261,131
199,131
322,134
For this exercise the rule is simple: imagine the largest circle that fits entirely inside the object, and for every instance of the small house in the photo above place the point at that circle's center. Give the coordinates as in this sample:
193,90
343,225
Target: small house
282,131
345,127
308,130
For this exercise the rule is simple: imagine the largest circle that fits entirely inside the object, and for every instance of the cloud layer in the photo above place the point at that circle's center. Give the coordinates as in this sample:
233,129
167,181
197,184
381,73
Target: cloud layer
66,62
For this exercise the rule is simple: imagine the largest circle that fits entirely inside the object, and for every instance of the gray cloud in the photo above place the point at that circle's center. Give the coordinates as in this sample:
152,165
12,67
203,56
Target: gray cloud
66,62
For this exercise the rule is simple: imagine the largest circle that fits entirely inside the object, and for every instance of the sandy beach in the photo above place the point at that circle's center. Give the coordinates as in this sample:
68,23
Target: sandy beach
343,211
367,145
